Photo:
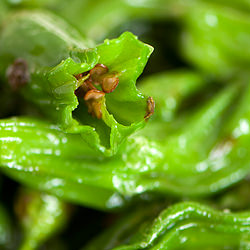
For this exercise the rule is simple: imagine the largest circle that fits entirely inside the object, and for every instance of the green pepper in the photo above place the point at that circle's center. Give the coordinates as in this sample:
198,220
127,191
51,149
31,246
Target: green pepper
186,225
55,150
78,135
127,224
177,165
41,216
100,18
214,38
50,76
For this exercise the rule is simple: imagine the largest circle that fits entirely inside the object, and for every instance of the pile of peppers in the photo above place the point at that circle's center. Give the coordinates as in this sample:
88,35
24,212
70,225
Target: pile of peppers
107,142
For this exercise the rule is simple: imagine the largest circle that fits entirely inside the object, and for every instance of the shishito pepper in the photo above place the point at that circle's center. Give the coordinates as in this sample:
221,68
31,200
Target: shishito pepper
63,164
215,38
102,17
206,152
88,90
40,155
186,225
41,216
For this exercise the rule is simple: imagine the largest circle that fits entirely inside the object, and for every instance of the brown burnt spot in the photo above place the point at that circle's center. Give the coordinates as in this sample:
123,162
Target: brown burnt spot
150,108
18,74
93,97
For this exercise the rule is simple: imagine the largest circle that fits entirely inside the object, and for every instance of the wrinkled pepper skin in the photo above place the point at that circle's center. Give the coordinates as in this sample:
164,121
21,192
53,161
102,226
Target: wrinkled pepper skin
138,218
186,225
102,159
51,79
63,164
64,152
127,225
58,161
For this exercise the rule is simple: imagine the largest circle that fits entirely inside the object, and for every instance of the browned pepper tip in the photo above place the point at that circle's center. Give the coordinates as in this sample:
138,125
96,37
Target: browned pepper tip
150,108
18,74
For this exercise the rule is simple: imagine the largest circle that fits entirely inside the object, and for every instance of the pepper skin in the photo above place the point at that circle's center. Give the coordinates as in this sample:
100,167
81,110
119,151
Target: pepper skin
186,225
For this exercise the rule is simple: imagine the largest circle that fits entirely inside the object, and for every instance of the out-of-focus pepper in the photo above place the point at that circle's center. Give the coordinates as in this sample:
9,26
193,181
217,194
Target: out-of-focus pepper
41,215
6,231
214,38
100,18
3,11
170,91
126,226
235,198
46,146
176,85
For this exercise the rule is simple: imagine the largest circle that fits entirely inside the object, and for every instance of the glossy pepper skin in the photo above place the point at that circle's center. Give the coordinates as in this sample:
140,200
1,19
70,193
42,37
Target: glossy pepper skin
161,163
57,160
186,225
50,76
50,155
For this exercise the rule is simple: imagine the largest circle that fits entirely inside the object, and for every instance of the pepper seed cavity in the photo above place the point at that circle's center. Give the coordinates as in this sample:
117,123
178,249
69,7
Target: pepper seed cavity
93,97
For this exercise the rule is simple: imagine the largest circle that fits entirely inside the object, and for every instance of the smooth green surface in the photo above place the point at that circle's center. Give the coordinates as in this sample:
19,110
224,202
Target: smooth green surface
215,39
